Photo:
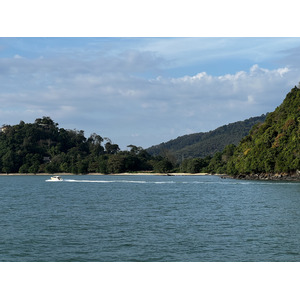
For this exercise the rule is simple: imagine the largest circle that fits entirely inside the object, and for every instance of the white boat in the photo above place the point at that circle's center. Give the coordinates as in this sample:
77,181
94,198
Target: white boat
55,178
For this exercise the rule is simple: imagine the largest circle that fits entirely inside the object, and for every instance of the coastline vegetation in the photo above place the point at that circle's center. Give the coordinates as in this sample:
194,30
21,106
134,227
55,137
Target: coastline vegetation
271,147
43,147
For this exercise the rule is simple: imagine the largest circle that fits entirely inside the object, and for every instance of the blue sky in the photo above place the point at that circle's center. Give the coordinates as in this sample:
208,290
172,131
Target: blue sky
144,91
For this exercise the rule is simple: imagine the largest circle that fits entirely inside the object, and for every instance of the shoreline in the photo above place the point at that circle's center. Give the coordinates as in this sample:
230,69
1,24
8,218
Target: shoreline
101,174
252,177
295,177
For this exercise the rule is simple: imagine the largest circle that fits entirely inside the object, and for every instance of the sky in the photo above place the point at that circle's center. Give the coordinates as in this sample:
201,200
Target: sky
144,91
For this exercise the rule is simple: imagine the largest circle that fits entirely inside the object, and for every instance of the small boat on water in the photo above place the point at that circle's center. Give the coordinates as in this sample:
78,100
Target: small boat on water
55,178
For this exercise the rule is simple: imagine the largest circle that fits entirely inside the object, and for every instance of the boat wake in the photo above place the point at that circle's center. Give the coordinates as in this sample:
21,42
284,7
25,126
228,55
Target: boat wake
165,182
104,181
119,181
50,180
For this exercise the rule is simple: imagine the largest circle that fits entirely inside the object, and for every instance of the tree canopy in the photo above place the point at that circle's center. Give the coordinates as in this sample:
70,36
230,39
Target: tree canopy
44,147
273,146
205,144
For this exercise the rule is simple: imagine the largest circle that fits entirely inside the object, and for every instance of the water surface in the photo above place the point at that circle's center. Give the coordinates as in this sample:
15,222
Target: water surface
148,218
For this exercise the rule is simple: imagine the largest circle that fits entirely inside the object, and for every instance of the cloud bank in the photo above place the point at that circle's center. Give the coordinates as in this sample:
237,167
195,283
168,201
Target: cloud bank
122,96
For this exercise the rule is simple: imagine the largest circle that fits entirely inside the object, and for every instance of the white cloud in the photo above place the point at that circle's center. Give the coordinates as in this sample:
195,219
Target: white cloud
251,99
111,95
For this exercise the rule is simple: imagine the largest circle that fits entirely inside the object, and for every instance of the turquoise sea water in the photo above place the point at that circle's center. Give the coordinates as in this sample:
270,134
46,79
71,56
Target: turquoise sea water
148,218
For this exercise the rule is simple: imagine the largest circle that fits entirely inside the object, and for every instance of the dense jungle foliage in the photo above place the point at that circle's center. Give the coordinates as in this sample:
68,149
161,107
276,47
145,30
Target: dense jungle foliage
43,147
271,147
205,144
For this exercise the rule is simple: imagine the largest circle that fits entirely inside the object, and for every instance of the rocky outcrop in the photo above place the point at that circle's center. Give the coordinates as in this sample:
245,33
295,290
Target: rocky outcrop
269,176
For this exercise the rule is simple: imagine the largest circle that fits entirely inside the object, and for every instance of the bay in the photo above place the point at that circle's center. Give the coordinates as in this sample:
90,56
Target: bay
148,218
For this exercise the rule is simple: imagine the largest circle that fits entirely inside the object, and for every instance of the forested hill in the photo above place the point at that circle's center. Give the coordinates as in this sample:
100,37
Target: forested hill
208,143
274,146
44,147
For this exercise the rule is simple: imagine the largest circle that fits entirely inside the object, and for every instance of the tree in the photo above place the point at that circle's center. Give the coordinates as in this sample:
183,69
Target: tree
116,164
8,163
163,166
94,142
46,122
111,148
95,139
134,149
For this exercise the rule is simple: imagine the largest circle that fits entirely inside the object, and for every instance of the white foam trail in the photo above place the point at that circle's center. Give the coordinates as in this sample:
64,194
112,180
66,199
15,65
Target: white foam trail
163,182
117,181
171,182
49,180
104,181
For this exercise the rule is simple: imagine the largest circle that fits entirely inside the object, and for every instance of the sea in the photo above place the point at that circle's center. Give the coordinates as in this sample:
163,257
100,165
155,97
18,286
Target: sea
148,218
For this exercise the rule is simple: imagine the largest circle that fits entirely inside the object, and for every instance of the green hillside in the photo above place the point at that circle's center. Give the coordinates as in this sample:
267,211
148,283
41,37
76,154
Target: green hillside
204,144
273,146
44,147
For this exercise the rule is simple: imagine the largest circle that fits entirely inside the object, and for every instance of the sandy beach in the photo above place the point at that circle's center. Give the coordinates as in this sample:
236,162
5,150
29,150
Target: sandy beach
161,174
